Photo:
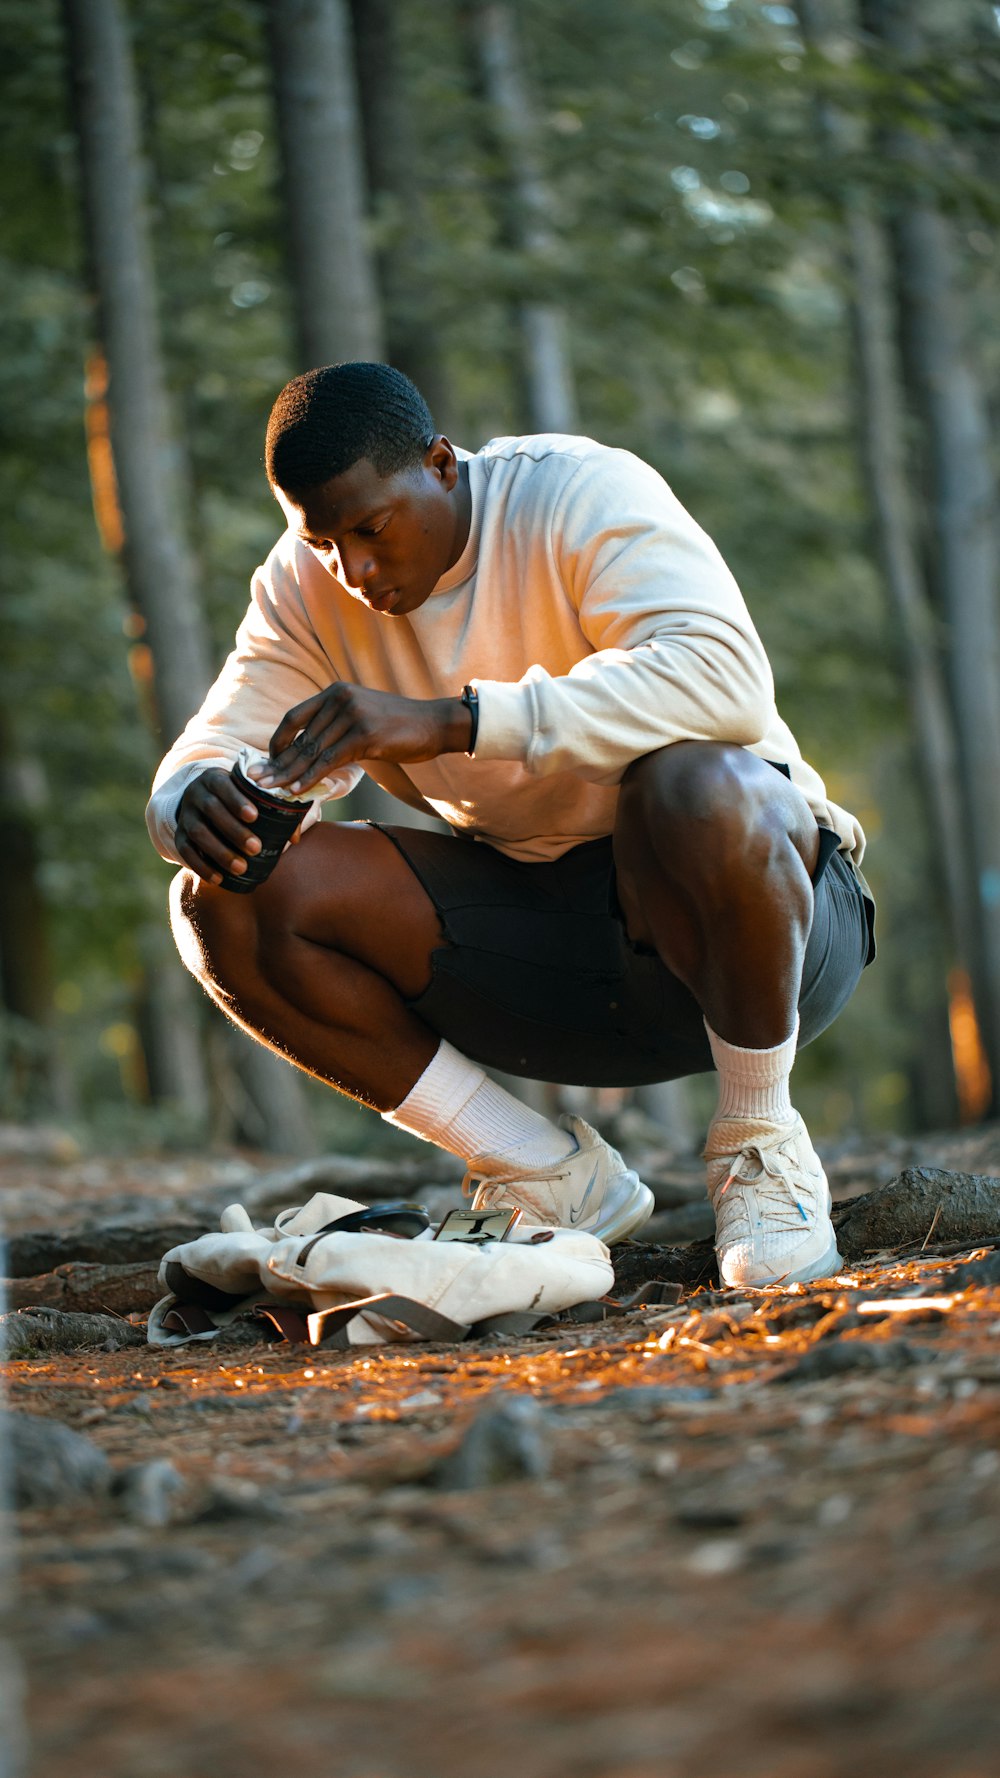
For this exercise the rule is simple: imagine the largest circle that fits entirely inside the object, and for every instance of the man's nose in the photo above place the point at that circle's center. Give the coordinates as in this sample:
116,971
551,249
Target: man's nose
358,565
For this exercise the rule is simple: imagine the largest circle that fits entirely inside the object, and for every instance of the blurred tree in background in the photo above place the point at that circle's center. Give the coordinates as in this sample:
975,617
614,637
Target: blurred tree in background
671,198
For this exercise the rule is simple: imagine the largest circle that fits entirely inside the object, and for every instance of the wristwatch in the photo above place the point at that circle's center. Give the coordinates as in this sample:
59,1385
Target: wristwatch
470,698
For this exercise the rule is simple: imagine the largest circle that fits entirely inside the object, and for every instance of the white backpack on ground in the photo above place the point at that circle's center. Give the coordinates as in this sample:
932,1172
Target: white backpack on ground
340,1273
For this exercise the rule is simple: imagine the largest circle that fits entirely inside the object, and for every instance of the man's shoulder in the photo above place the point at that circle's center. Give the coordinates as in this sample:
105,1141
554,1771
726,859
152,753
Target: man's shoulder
553,453
548,466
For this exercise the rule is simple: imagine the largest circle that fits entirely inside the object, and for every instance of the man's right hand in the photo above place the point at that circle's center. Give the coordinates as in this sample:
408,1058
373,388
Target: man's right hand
215,826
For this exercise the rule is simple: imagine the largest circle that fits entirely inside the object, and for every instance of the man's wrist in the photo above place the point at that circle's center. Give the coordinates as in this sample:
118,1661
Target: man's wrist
457,725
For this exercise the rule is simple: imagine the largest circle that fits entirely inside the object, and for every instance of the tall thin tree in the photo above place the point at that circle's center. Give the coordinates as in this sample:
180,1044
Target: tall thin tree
551,391
398,204
158,565
882,432
963,510
335,289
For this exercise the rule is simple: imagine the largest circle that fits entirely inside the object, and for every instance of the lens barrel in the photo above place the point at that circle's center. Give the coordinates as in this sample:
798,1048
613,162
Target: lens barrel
277,820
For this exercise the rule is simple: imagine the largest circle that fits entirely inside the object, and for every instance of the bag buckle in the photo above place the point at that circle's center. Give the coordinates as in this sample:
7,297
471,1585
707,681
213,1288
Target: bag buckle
478,1226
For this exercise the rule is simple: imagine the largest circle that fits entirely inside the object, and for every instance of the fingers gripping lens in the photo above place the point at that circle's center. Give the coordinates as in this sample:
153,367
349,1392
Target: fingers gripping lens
278,817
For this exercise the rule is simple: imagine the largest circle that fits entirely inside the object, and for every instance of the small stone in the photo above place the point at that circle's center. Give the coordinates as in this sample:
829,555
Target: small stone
232,1498
703,1516
979,1271
721,1555
505,1443
147,1492
834,1358
49,1462
649,1398
836,1509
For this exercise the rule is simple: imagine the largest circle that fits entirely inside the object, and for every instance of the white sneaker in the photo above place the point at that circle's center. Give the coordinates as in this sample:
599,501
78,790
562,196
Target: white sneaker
591,1190
772,1205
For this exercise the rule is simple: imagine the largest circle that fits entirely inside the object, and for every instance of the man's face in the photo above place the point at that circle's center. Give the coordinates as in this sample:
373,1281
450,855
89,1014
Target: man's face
387,540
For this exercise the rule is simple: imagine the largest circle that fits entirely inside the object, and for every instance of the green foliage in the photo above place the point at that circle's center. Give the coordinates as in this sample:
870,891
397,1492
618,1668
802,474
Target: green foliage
698,259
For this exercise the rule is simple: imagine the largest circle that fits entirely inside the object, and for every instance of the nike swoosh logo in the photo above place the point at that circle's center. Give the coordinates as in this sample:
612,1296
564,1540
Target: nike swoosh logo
576,1214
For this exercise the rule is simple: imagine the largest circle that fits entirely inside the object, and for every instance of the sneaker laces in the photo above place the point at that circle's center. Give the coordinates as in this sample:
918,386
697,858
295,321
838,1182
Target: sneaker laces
520,1176
773,1184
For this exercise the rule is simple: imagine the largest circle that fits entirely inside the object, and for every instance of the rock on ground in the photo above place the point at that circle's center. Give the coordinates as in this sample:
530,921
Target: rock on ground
48,1463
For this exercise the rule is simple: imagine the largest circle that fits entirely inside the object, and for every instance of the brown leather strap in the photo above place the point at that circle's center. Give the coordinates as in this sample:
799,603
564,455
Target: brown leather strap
188,1318
332,1325
516,1321
290,1323
653,1291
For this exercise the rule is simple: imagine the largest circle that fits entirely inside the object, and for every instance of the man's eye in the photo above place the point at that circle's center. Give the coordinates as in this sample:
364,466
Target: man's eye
372,530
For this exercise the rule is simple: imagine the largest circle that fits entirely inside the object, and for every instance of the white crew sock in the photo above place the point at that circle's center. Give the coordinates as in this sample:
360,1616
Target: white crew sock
456,1105
753,1084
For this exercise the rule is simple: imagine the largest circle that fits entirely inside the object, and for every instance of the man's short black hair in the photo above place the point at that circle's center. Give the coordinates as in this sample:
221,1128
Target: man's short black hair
325,421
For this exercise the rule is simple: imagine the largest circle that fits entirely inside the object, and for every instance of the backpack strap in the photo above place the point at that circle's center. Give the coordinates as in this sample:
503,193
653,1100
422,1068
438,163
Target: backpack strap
330,1328
290,1323
397,1217
189,1318
516,1321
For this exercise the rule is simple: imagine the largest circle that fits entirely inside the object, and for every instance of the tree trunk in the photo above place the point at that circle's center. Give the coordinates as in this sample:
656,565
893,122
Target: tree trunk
41,1084
337,307
548,372
338,312
13,1741
391,160
963,509
158,567
25,969
882,435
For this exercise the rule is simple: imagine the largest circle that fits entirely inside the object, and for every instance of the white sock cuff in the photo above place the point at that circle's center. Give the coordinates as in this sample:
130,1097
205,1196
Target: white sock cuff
456,1105
754,1064
447,1083
754,1083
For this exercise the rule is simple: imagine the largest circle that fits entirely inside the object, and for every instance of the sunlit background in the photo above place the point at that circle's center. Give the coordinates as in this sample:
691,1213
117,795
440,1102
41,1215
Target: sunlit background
755,244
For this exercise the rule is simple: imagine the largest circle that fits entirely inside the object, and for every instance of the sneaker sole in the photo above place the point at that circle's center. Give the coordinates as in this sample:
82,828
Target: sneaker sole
622,1219
827,1266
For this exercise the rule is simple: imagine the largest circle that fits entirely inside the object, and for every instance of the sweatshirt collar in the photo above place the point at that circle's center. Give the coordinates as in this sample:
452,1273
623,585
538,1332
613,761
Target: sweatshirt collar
465,567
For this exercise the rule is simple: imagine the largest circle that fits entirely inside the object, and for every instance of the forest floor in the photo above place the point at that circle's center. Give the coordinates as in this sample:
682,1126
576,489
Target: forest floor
751,1533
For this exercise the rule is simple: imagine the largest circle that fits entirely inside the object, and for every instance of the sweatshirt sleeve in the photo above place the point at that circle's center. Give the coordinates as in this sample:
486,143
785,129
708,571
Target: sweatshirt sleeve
675,653
276,663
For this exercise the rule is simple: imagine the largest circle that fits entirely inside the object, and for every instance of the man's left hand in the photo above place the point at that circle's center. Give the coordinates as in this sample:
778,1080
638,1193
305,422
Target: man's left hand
347,724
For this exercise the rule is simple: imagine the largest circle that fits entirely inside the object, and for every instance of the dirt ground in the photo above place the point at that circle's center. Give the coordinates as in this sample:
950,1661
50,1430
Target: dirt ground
752,1535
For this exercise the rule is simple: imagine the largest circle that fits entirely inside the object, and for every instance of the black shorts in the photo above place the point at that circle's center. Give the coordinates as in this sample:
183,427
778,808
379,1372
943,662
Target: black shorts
539,978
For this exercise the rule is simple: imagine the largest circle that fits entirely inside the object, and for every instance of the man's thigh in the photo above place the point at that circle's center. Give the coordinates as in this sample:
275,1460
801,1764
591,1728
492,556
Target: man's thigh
346,888
536,975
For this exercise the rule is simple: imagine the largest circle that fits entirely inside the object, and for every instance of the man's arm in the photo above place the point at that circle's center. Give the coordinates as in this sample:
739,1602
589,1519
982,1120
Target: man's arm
348,723
275,664
676,655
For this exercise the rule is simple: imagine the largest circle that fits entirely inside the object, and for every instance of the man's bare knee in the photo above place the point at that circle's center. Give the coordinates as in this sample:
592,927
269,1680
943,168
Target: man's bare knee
695,782
709,806
202,919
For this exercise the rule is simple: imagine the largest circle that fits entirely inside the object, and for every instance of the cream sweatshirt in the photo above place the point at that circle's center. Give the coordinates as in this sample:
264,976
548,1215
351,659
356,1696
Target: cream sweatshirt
594,617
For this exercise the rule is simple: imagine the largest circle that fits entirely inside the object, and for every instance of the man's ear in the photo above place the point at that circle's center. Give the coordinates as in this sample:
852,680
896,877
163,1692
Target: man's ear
440,458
